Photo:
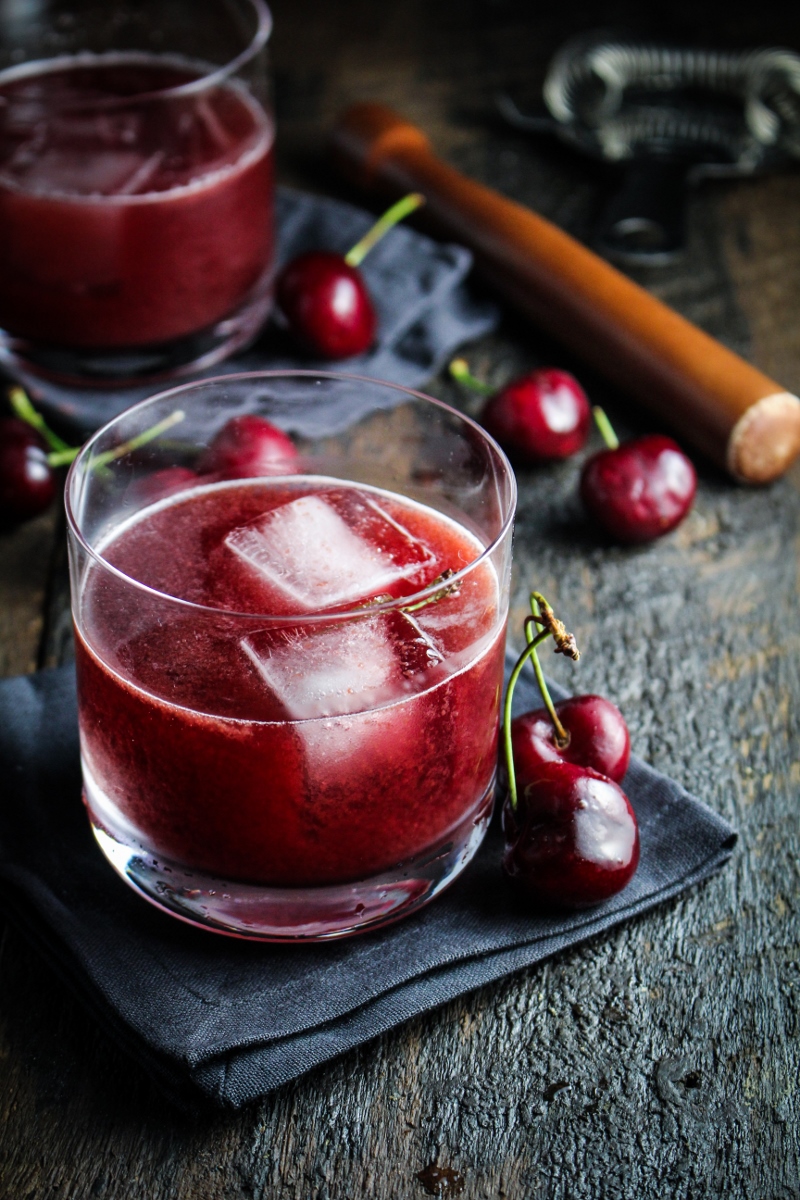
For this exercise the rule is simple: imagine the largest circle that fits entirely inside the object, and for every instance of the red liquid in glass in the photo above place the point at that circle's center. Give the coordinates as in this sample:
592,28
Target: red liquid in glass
205,739
127,221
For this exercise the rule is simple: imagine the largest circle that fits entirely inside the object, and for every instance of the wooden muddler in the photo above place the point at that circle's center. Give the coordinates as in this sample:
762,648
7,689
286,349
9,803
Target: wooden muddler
711,397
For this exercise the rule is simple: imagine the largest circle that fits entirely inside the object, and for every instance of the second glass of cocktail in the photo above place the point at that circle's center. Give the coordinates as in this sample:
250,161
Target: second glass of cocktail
290,648
136,185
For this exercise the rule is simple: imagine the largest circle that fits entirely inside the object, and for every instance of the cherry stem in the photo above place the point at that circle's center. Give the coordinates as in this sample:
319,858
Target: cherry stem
20,402
562,736
528,652
541,614
398,211
450,589
62,458
606,428
460,371
141,439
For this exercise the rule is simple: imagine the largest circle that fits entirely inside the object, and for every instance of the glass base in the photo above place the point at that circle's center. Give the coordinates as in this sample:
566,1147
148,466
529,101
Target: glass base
129,366
274,914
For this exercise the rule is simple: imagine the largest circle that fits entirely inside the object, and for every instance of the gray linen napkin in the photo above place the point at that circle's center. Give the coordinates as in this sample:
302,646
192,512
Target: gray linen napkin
227,1020
424,312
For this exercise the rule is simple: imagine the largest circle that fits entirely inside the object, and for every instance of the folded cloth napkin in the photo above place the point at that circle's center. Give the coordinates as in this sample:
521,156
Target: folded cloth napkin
424,312
229,1020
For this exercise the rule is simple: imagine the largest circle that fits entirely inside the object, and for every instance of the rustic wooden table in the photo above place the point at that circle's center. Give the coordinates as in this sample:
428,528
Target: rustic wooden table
659,1060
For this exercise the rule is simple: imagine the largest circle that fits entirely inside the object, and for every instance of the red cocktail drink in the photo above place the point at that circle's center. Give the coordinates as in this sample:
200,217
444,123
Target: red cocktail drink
136,187
302,753
127,219
289,685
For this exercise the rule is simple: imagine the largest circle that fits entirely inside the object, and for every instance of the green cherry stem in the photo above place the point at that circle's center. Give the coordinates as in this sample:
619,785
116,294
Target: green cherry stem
391,217
141,439
450,589
61,455
20,402
528,652
541,614
606,428
62,458
460,371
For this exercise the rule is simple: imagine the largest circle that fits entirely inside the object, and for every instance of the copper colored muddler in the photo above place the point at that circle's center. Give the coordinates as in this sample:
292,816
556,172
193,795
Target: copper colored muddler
713,398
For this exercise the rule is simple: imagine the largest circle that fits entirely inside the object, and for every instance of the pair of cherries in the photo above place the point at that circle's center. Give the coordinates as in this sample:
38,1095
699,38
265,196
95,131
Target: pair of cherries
636,491
571,835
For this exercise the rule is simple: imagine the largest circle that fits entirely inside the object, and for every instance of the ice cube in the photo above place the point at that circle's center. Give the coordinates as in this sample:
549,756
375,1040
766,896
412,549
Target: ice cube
72,170
143,177
355,665
329,549
219,139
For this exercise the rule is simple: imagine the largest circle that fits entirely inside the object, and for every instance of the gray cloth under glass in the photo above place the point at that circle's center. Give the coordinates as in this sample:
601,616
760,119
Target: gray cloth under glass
229,1020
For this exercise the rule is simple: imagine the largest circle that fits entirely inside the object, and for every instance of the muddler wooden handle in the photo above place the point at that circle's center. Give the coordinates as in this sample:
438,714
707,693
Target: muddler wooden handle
713,399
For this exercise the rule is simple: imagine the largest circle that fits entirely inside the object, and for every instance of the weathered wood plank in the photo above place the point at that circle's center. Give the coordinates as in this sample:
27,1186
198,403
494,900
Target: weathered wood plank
25,554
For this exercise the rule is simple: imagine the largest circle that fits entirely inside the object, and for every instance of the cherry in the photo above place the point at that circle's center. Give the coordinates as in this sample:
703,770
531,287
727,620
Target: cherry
640,490
572,841
597,737
323,299
571,834
539,417
27,481
247,447
326,305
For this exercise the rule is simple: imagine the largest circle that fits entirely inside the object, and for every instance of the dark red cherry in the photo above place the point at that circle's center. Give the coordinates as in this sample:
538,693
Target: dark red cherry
573,840
27,481
640,490
598,738
326,305
247,447
544,415
166,482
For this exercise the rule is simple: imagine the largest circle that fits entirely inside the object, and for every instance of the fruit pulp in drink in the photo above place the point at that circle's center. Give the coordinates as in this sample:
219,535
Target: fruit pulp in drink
134,210
246,729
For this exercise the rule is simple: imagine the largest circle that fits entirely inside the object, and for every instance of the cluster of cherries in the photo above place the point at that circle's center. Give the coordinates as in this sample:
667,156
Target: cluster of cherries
571,835
636,492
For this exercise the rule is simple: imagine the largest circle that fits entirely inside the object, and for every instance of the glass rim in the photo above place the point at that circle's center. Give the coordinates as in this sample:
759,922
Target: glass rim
305,617
214,75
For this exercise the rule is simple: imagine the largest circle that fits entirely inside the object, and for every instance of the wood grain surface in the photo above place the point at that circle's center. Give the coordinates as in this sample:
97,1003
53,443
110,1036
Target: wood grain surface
660,1060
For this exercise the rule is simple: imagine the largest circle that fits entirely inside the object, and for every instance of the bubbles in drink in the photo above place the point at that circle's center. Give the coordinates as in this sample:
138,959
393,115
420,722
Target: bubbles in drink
333,548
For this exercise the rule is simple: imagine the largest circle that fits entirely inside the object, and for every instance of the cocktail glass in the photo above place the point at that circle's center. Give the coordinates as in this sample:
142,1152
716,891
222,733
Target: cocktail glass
136,185
289,684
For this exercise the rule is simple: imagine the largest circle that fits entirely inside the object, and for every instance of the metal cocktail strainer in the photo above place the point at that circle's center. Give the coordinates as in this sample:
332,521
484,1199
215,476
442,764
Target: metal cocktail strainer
671,117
